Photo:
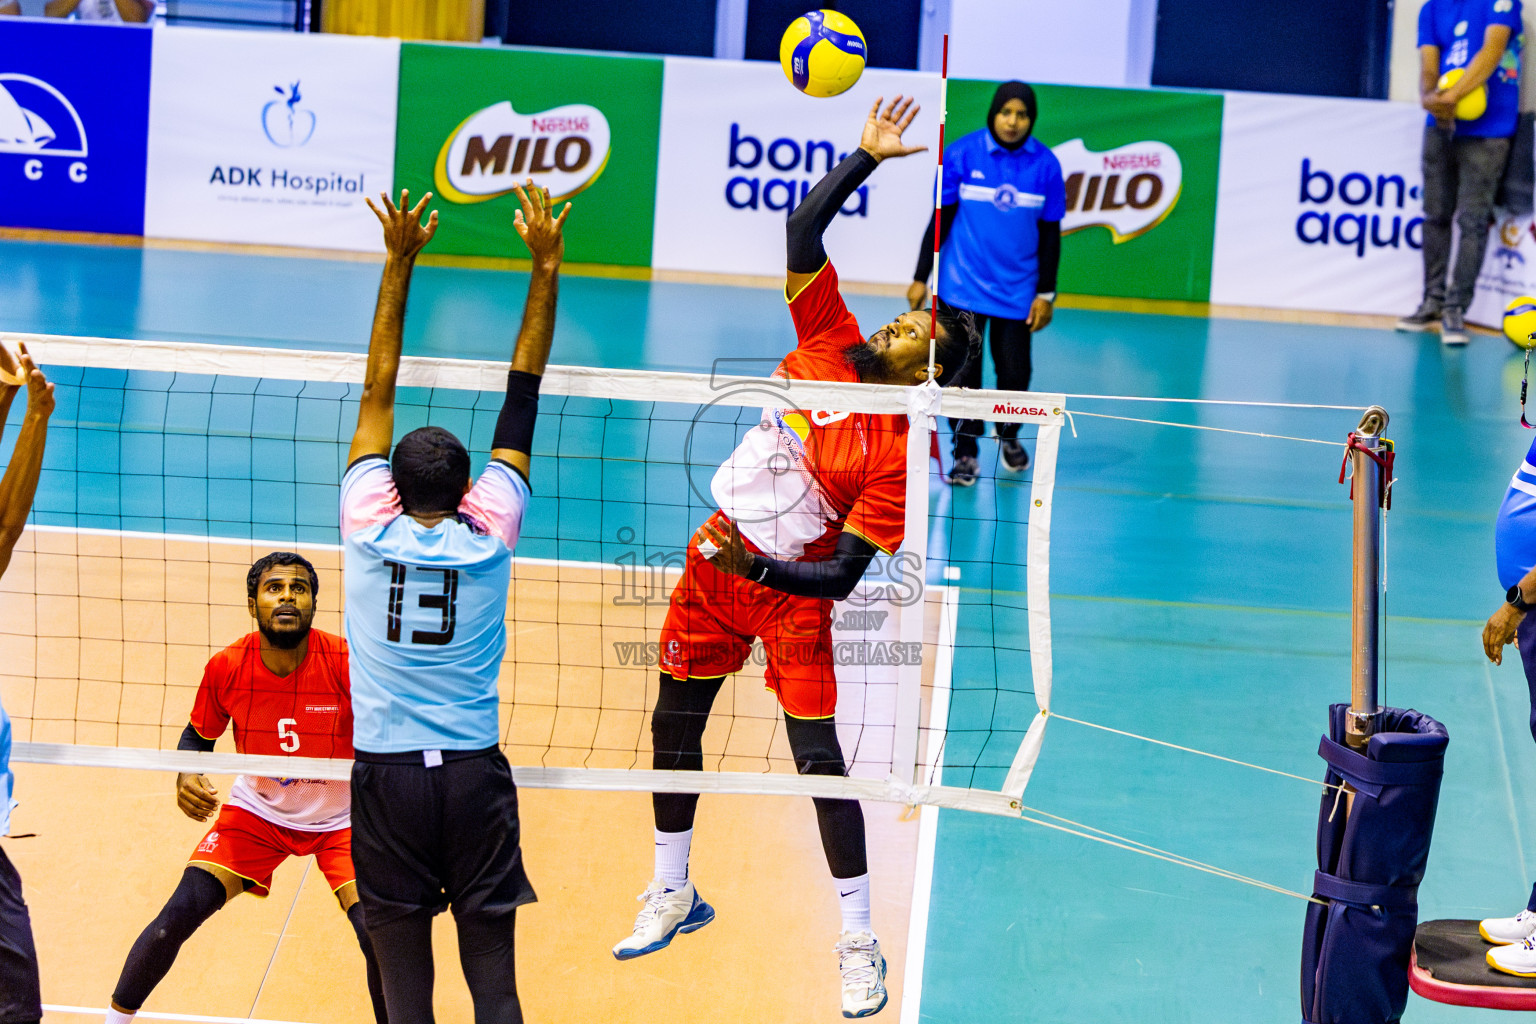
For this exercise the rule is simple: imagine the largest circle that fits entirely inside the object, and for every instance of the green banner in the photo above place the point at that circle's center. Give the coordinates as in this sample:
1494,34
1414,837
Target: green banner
474,122
1140,169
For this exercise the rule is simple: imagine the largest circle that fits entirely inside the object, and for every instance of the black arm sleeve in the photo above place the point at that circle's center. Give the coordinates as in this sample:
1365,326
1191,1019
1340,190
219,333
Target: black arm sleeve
190,740
804,250
925,253
519,410
834,578
1049,254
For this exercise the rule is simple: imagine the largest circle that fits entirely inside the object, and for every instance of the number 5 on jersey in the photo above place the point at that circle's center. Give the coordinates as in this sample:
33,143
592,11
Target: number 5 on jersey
287,731
444,600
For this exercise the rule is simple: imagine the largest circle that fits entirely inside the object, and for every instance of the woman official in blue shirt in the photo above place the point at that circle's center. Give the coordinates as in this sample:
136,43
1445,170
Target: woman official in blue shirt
1002,201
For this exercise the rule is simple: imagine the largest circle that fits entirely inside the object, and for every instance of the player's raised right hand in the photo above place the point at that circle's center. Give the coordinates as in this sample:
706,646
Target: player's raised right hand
197,799
404,233
882,131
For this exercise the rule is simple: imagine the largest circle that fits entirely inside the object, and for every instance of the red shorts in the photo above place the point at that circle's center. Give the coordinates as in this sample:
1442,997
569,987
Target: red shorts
714,617
252,847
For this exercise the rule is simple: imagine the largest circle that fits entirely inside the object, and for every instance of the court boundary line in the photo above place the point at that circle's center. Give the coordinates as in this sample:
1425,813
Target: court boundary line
87,1011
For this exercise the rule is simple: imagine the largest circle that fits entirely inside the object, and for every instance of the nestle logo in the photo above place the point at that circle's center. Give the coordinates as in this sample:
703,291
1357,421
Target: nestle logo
1004,409
1132,161
561,124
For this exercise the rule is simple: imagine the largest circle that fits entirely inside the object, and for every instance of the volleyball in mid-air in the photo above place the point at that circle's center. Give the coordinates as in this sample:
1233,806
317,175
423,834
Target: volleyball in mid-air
822,53
1471,106
1520,321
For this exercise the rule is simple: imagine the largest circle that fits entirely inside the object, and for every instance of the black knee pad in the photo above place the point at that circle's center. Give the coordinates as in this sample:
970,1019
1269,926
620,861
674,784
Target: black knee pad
197,897
815,747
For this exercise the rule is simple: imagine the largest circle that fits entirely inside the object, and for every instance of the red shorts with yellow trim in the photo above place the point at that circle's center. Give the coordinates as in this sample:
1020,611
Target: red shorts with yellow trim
252,847
714,617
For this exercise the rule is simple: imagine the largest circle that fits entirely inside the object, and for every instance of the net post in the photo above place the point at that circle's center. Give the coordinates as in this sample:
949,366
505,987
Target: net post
1365,603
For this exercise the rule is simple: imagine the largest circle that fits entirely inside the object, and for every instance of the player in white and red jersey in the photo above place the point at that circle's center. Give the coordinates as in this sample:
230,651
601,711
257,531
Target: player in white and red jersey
286,690
806,501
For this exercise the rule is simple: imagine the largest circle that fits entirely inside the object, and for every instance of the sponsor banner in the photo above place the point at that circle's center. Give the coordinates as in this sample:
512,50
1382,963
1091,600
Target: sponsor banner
270,137
475,122
740,147
1320,204
1140,168
74,112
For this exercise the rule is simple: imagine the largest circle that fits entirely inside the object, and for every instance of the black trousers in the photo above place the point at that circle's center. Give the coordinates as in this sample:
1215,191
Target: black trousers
425,839
1010,353
21,996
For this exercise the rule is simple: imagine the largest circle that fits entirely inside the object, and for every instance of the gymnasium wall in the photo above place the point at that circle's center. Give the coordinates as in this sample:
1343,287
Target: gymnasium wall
693,164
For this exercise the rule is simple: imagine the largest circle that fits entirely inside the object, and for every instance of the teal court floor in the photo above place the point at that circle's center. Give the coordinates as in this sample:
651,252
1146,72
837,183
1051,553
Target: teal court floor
1200,595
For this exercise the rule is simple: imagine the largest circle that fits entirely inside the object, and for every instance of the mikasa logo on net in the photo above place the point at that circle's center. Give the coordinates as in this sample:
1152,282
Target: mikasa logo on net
563,149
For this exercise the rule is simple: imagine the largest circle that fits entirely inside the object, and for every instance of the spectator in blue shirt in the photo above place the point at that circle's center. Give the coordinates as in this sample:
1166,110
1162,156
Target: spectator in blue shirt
1463,160
1001,202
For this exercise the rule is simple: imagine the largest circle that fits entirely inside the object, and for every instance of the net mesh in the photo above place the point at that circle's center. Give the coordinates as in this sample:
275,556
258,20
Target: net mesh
170,468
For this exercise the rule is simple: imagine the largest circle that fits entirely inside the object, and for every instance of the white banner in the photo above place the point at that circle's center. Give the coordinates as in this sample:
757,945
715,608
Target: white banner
740,147
270,137
1319,205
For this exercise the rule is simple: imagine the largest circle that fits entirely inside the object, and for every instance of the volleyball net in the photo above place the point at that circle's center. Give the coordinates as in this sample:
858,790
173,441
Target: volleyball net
171,467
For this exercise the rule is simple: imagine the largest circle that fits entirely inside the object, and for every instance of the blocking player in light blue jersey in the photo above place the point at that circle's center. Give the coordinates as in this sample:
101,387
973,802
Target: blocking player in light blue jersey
21,999
427,562
1514,938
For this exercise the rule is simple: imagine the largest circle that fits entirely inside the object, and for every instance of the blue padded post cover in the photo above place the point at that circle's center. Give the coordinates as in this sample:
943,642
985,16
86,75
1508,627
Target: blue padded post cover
1355,950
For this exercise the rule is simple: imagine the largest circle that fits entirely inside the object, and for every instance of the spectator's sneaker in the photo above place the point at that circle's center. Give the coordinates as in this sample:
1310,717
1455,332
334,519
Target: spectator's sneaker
963,473
666,912
1015,458
863,969
1453,329
1422,319
1502,931
1518,958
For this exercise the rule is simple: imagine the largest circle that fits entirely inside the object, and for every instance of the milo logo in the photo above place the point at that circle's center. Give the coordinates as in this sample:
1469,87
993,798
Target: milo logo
1128,190
563,149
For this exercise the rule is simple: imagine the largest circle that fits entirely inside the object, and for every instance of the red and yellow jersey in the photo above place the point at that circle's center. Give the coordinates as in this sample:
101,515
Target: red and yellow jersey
802,476
307,713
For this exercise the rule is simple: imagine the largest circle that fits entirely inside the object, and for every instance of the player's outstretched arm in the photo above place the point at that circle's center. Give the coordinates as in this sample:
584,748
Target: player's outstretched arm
804,253
19,485
404,237
544,234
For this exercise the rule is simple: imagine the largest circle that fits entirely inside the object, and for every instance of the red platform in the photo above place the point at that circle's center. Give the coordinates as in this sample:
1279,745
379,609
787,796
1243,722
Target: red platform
1450,965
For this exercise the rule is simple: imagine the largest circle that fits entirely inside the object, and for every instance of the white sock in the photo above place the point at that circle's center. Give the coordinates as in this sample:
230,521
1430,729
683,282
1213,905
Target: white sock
113,1017
853,899
672,857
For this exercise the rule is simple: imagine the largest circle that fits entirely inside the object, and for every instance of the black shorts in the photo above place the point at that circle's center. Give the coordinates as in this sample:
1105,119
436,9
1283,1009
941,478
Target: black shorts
21,997
427,838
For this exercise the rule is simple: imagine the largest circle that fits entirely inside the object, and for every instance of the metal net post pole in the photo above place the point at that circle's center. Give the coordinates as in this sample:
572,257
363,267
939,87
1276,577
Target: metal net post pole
1365,603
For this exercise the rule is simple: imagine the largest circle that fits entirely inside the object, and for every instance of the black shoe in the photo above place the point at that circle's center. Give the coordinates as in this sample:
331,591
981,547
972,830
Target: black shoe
963,474
1422,319
1015,458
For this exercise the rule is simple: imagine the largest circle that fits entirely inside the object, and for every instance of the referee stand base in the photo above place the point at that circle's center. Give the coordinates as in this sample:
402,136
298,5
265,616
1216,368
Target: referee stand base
1450,965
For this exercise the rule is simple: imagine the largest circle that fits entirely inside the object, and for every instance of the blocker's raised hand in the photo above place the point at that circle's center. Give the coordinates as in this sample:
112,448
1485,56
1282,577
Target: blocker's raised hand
882,131
404,233
541,231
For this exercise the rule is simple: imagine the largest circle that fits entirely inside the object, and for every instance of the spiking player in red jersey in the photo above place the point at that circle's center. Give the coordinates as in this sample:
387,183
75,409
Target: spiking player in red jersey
806,501
286,689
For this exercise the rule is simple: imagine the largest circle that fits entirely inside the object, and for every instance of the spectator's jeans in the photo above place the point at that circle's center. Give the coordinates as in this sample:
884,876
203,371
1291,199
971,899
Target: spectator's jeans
1461,176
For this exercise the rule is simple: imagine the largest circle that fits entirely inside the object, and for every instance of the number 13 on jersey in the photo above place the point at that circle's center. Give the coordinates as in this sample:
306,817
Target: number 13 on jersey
442,598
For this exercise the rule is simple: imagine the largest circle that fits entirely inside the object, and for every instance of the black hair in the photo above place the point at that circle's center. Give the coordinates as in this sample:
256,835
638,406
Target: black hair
1013,91
276,558
430,467
957,343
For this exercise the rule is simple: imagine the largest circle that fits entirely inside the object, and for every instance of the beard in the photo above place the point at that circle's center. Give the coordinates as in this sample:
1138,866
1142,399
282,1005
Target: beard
285,639
866,361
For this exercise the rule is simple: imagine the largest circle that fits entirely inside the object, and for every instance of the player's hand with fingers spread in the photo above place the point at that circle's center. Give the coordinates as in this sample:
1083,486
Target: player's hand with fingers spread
538,227
732,555
882,131
197,799
404,233
39,390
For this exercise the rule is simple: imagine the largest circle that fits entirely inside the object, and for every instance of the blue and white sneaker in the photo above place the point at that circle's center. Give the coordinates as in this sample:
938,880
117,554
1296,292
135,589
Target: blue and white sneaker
863,969
666,912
